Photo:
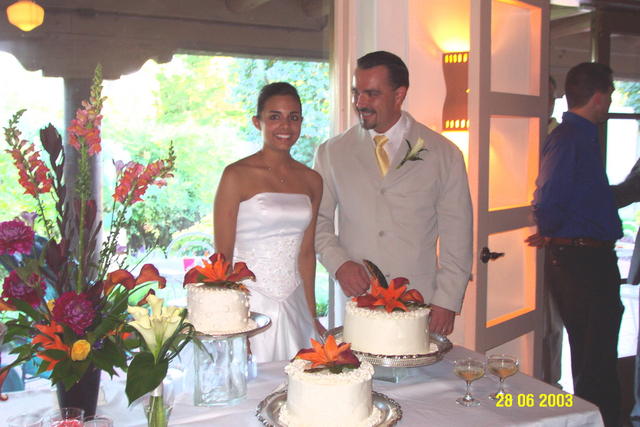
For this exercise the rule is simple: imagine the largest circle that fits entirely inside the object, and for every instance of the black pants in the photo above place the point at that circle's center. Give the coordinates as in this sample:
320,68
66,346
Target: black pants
586,285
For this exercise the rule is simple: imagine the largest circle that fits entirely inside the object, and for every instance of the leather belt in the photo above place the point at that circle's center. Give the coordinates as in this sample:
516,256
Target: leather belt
581,242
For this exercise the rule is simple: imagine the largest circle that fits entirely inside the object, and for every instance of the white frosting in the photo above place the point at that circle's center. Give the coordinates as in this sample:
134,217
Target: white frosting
218,310
378,332
325,399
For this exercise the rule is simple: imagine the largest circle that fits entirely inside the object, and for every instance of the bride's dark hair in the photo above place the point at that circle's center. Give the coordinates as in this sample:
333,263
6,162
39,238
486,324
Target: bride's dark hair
275,89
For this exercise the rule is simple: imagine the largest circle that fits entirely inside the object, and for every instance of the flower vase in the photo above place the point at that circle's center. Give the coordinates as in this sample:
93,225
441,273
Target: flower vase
83,394
157,407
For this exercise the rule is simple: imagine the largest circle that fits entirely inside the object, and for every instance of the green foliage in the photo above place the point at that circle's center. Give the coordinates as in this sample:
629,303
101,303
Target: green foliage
631,91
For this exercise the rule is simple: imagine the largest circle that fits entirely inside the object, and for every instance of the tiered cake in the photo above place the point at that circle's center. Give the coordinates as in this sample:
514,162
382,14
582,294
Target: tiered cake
329,387
389,320
217,303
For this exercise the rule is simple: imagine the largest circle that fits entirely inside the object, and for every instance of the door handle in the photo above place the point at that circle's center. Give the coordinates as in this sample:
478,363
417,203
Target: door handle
486,255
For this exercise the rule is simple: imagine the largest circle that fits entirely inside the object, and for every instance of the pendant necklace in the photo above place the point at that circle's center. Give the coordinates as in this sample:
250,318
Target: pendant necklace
271,171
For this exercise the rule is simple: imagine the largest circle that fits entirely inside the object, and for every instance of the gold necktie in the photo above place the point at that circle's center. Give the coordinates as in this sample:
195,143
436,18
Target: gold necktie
381,154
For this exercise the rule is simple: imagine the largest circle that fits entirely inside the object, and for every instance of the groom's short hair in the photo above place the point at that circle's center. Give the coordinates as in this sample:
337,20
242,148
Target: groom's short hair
398,72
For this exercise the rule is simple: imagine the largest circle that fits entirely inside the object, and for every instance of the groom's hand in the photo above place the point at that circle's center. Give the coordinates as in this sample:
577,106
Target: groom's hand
441,320
353,278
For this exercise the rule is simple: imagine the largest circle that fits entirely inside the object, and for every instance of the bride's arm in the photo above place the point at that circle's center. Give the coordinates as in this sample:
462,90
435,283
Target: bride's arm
307,257
225,212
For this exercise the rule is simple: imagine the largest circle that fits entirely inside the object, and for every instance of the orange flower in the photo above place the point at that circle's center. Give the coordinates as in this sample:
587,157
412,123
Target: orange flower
148,273
392,297
49,339
329,354
218,271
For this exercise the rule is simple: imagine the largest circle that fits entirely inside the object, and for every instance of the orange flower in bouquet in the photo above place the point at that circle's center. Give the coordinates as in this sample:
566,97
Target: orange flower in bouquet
68,311
218,272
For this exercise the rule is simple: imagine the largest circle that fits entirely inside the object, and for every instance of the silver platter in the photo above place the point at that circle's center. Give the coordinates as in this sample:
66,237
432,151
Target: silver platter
262,323
268,411
442,344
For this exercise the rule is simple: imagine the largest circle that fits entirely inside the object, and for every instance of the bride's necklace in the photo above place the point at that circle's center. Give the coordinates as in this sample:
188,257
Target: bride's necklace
273,172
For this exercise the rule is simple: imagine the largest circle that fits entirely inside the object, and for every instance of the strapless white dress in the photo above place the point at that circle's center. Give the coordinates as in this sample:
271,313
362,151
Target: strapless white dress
269,233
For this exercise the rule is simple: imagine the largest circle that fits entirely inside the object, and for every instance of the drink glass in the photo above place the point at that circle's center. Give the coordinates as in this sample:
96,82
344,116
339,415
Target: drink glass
98,421
65,417
502,366
469,370
25,420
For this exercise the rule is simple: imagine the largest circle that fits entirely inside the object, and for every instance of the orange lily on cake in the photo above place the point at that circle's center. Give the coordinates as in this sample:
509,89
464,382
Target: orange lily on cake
330,355
217,271
392,296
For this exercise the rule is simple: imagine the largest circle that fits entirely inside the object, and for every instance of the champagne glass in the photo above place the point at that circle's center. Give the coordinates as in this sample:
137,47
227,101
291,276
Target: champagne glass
469,370
25,420
502,366
66,417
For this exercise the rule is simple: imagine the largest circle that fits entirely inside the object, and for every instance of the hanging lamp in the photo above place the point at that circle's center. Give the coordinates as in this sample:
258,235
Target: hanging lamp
25,14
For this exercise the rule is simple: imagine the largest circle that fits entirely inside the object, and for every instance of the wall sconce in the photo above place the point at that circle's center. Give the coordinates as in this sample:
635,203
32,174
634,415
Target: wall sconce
25,14
455,116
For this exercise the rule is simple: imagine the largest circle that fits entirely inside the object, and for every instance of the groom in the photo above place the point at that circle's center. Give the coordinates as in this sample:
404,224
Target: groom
407,212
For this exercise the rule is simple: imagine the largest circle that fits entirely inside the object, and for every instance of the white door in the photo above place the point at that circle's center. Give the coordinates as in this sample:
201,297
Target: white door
507,111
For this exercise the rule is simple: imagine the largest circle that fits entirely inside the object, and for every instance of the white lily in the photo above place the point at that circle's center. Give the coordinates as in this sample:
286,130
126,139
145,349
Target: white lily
157,327
413,153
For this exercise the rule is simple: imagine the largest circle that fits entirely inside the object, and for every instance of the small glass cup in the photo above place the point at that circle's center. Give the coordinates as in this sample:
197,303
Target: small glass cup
25,420
469,370
98,421
65,417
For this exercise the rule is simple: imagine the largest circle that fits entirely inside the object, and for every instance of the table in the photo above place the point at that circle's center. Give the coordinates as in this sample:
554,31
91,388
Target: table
427,397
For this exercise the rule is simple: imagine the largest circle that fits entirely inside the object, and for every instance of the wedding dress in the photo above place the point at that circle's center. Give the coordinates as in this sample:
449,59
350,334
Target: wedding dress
269,233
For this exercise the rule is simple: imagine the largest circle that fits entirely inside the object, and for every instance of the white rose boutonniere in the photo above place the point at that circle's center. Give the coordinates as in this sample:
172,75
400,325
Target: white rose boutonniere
413,152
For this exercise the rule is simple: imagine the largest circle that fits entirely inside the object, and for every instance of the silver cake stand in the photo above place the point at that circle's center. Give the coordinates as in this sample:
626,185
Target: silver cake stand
442,346
268,411
263,322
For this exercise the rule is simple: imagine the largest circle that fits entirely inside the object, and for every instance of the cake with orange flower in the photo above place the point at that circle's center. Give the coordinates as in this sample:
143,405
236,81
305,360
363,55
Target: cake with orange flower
329,387
389,320
217,302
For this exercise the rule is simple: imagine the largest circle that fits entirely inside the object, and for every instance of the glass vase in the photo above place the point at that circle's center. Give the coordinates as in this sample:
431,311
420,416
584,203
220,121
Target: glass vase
158,405
83,394
220,371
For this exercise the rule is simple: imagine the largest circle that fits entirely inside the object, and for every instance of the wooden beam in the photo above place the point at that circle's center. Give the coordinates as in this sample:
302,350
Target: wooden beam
241,6
570,25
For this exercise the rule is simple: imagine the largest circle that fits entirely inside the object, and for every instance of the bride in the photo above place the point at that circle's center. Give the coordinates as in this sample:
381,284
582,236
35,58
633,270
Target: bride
265,214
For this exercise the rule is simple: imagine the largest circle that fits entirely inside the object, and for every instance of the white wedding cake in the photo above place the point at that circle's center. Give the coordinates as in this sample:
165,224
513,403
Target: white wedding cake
376,331
327,399
217,310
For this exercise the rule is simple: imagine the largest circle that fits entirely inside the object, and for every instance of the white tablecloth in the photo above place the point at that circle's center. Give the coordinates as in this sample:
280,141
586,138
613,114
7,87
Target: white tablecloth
426,398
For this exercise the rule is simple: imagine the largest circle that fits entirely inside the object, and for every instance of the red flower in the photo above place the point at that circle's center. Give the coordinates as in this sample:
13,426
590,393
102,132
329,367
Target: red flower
85,128
329,354
135,179
392,297
15,237
14,288
218,271
148,273
49,339
74,310
33,174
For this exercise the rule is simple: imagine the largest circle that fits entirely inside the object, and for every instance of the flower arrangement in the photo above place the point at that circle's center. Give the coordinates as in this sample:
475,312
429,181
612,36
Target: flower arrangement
69,312
217,272
164,334
391,296
329,356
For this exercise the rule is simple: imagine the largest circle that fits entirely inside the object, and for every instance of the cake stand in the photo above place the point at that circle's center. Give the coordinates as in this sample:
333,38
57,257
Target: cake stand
268,411
393,368
221,365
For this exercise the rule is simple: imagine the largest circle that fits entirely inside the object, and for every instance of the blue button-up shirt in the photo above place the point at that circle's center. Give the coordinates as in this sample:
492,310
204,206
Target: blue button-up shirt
573,198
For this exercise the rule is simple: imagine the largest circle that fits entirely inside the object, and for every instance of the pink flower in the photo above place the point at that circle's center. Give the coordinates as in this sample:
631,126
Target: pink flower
14,288
74,310
15,236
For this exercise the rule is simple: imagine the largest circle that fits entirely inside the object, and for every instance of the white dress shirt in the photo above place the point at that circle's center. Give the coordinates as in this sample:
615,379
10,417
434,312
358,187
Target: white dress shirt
396,135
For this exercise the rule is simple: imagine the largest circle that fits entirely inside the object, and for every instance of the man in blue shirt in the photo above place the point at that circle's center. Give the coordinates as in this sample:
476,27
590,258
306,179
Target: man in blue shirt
578,222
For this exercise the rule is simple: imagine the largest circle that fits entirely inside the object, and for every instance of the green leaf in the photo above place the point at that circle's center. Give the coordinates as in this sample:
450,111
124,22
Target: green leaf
144,375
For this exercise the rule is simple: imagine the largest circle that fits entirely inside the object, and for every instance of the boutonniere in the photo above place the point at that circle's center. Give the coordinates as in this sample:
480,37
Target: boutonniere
413,152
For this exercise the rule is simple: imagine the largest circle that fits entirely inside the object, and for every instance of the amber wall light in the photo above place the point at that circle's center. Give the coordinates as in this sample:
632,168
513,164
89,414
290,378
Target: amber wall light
455,66
25,14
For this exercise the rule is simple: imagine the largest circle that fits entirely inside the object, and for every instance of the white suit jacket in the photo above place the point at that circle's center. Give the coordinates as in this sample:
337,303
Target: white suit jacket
395,221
